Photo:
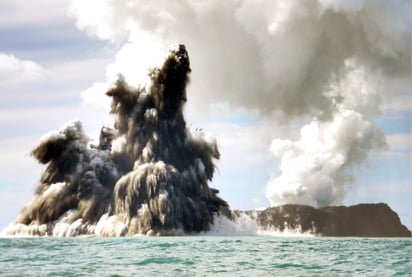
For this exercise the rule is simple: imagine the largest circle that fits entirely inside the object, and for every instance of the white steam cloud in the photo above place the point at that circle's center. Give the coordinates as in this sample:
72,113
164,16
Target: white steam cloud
334,61
315,168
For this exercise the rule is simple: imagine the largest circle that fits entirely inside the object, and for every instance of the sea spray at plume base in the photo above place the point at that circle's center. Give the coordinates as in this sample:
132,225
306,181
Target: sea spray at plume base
248,224
148,175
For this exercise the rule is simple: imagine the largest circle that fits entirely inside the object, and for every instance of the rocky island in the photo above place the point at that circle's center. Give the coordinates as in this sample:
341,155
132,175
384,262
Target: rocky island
362,220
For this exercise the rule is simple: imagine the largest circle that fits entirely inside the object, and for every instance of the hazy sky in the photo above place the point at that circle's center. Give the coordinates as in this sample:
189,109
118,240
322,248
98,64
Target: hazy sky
310,101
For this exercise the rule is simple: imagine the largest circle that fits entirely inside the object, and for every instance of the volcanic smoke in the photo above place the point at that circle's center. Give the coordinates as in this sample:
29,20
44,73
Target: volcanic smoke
148,175
326,67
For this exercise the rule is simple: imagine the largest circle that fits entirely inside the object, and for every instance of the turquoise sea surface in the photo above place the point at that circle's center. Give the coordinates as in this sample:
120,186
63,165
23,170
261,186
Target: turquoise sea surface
205,256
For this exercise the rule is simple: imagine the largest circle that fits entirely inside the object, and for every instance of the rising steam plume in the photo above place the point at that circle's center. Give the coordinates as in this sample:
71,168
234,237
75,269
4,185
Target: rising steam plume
148,175
330,65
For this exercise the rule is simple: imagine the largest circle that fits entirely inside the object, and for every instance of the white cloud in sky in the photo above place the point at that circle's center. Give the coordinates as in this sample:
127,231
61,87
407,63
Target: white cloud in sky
15,71
38,98
21,13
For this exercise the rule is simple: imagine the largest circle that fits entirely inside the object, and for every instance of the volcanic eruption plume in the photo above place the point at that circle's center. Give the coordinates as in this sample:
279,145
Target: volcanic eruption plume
326,67
148,175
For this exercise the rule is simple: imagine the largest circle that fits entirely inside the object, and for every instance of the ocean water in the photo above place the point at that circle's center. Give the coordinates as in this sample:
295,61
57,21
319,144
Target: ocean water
205,256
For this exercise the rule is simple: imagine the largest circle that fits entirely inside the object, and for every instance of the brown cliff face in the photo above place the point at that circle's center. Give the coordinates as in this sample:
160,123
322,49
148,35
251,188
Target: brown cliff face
363,220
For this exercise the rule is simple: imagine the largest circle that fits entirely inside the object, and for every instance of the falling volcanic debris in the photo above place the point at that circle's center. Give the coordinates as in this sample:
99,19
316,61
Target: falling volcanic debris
148,175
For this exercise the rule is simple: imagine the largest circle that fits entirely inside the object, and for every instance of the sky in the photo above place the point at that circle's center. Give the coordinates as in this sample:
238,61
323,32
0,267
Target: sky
310,101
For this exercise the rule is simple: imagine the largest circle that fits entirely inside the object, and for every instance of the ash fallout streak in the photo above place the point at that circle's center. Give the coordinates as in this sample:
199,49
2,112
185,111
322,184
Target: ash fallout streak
148,175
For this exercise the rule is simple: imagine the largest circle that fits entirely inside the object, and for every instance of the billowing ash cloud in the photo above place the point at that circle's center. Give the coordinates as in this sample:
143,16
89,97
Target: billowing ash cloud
332,61
272,56
148,175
